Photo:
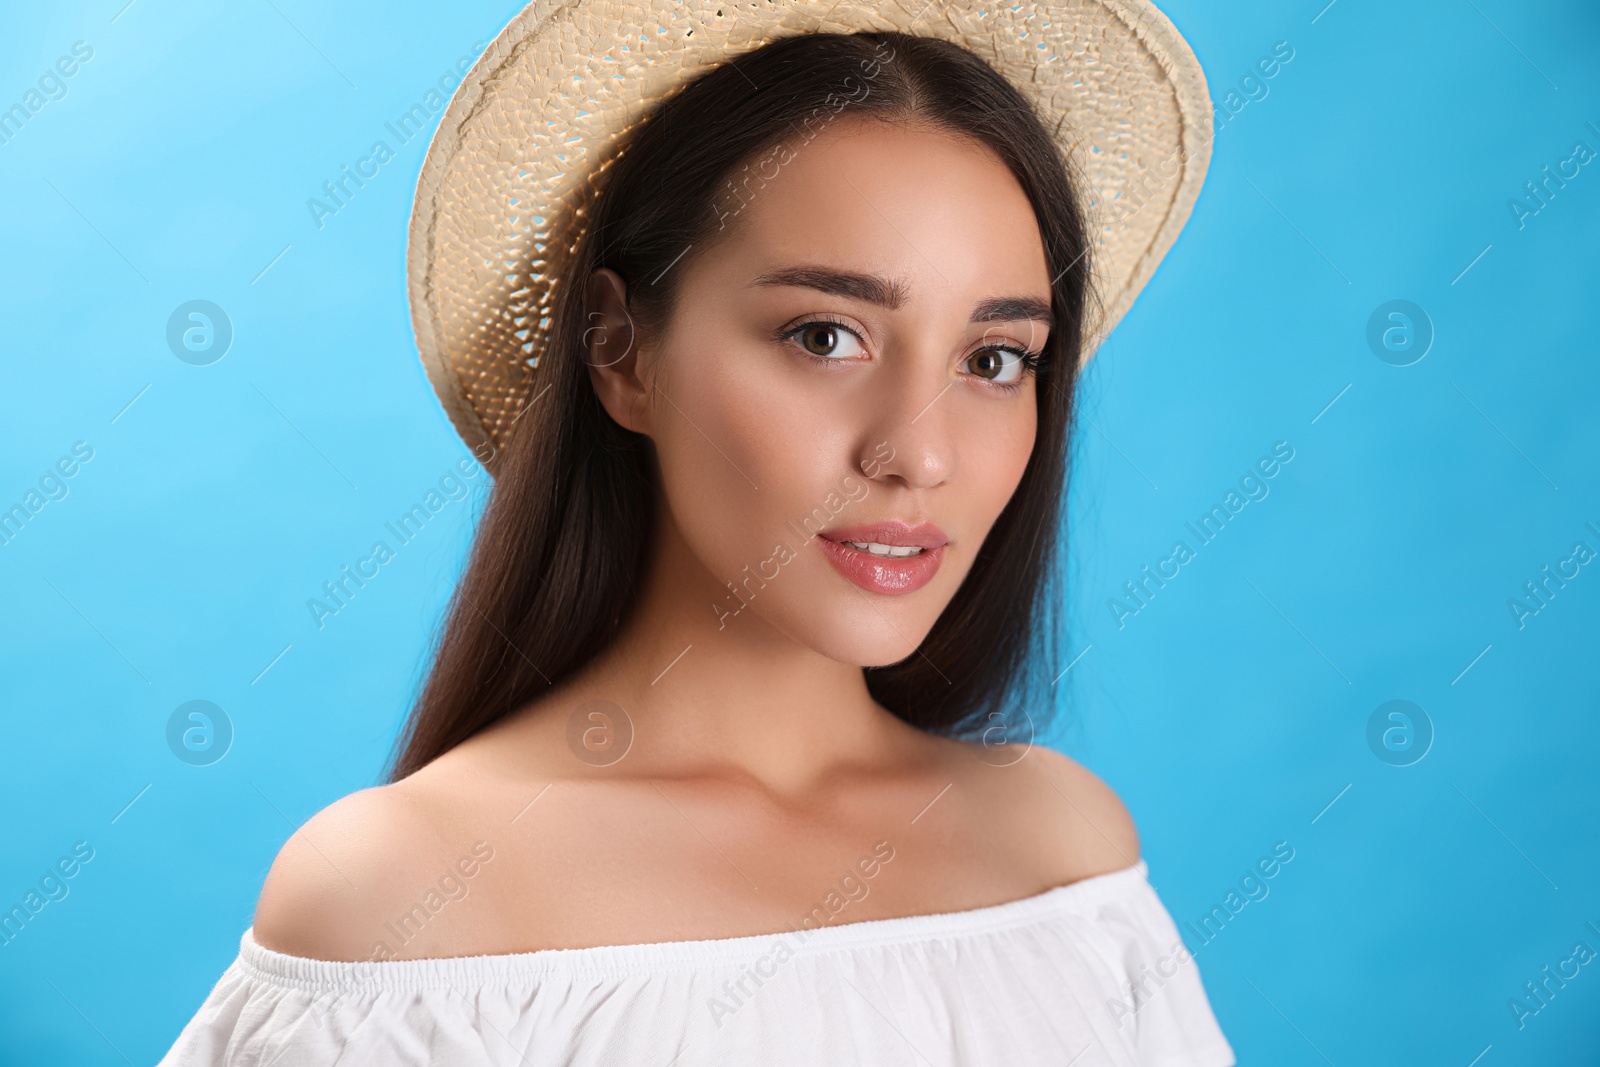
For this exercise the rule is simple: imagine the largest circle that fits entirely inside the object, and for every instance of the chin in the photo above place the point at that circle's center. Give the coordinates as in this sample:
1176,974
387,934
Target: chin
843,624
879,649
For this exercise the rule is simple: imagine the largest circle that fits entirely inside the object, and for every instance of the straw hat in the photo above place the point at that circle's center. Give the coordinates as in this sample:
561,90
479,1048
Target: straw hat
1113,79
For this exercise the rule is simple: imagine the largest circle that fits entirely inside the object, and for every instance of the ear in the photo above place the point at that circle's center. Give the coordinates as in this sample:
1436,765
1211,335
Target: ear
611,347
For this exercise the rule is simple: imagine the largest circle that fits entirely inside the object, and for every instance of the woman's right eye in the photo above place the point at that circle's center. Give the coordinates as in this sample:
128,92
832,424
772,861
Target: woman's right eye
827,341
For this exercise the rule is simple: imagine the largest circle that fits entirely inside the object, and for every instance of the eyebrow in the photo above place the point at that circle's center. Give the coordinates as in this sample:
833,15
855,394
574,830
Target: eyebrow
884,292
1010,308
891,293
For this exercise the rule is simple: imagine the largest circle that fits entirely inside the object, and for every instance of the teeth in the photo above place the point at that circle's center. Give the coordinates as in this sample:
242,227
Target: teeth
895,551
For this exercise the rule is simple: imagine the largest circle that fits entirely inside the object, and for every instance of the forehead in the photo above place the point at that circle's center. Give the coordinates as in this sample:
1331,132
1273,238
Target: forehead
934,207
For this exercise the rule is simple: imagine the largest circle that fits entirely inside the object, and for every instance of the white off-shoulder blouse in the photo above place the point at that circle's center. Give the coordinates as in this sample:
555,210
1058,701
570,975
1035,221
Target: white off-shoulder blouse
1091,974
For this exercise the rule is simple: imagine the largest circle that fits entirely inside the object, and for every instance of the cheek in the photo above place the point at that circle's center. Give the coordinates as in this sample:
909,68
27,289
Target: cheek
739,446
995,453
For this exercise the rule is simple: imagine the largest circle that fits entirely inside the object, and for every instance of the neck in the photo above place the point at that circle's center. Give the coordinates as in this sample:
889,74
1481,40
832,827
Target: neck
722,691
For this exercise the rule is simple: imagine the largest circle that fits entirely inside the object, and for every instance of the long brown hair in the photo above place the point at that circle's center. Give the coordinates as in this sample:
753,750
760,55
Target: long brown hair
562,545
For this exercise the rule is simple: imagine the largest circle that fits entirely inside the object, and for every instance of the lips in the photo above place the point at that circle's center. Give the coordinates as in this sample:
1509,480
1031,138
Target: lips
886,557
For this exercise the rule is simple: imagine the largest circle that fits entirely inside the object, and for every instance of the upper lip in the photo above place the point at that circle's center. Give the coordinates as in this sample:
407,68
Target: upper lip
891,532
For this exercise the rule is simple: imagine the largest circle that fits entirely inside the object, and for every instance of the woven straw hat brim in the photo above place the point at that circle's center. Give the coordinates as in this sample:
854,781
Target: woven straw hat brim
1112,79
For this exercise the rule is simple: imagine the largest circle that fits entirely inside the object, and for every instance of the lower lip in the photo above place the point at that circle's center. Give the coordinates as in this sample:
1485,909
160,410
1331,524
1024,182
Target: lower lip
884,574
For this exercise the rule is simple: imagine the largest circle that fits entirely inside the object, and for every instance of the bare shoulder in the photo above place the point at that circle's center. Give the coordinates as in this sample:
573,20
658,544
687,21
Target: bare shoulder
1054,810
338,877
1090,801
1085,811
450,860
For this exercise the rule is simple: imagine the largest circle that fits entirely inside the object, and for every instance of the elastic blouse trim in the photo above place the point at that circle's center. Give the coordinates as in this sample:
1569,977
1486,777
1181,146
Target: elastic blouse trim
617,961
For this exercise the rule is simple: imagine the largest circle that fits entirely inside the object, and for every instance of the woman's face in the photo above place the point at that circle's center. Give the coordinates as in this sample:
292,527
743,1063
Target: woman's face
843,376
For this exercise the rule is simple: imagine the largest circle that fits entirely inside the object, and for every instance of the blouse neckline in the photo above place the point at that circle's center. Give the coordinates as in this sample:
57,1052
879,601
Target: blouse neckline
616,961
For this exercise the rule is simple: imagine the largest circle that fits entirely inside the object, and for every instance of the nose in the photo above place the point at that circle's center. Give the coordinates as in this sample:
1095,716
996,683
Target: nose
909,441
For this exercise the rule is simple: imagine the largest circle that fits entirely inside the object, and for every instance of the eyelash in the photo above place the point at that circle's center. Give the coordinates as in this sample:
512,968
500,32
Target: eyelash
1031,361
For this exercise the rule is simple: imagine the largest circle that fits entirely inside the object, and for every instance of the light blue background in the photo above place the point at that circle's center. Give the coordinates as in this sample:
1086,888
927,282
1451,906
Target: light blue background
1229,712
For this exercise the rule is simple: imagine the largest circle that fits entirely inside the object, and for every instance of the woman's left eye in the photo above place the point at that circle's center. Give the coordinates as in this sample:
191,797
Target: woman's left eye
1001,366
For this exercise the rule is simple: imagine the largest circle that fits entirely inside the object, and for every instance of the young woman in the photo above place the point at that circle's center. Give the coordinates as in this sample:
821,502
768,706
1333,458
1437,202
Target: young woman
717,762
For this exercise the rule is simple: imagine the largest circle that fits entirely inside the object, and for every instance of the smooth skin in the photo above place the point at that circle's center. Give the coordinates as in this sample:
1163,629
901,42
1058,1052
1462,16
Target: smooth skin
760,772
